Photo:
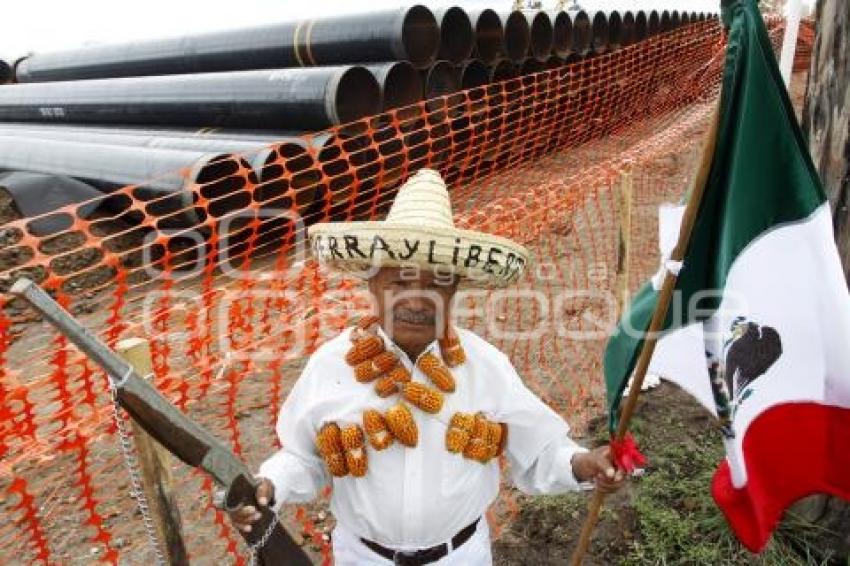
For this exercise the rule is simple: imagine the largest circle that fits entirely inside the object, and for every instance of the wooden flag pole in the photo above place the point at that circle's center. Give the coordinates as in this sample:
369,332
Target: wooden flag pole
658,317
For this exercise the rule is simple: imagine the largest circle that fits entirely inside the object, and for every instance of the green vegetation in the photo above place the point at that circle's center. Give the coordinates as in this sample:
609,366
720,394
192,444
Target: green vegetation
667,516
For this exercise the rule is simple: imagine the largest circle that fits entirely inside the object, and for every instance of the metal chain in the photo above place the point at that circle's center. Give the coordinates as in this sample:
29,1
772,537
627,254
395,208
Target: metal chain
261,542
132,464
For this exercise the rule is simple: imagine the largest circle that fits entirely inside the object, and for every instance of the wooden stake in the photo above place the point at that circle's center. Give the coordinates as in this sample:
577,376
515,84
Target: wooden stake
155,466
624,194
658,316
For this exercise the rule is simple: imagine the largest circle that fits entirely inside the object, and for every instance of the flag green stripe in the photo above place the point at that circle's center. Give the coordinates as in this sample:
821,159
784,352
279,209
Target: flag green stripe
761,176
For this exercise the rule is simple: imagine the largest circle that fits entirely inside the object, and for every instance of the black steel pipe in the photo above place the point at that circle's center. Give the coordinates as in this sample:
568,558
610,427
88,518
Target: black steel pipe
311,98
615,30
686,18
675,19
641,30
653,23
165,179
255,136
7,74
35,194
665,22
582,33
627,31
503,70
554,62
542,35
399,83
255,152
473,73
599,42
457,38
517,36
489,35
400,34
562,27
441,79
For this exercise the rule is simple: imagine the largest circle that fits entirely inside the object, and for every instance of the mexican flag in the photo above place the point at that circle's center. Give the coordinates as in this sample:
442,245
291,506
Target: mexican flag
759,330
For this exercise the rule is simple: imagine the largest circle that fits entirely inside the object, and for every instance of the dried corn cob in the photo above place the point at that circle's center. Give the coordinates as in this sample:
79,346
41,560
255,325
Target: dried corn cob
366,371
480,427
329,443
401,424
336,465
367,321
399,374
376,429
352,437
458,433
478,450
329,440
422,396
354,443
386,386
451,350
437,372
364,349
357,462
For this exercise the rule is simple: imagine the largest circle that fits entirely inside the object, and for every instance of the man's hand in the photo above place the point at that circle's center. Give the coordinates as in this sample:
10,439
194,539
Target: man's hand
246,515
598,467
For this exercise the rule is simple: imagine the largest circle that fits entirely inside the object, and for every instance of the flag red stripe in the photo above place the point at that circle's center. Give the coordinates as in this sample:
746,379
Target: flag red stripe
791,451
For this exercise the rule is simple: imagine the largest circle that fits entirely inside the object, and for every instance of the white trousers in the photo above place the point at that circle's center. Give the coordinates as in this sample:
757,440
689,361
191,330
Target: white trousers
350,551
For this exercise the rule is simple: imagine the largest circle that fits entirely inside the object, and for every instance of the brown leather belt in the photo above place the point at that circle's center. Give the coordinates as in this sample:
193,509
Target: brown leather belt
424,555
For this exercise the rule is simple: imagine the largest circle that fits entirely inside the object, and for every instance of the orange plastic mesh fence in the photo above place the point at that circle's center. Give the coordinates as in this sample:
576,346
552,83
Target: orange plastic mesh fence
207,265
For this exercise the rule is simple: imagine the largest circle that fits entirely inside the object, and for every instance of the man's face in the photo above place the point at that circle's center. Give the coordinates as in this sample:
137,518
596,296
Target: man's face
413,304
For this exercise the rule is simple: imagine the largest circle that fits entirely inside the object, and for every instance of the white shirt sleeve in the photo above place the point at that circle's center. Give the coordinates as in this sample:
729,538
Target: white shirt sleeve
539,449
296,470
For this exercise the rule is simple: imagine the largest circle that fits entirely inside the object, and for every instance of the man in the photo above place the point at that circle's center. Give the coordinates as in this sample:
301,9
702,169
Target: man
407,415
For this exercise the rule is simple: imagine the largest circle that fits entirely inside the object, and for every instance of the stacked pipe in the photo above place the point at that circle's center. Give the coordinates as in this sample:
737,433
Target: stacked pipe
279,80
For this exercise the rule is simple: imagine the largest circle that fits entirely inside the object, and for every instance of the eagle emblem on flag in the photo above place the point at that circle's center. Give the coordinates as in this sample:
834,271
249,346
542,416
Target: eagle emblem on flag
749,352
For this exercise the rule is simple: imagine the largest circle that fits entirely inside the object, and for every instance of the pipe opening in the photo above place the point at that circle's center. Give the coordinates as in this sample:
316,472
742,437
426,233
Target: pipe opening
654,25
456,35
357,95
665,23
615,30
222,184
627,35
517,36
7,74
441,79
554,62
489,36
402,86
532,65
600,33
542,36
420,35
503,70
562,27
473,74
675,19
582,36
641,26
572,58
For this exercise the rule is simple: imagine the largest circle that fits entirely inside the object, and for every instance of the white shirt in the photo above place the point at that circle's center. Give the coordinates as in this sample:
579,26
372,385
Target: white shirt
418,497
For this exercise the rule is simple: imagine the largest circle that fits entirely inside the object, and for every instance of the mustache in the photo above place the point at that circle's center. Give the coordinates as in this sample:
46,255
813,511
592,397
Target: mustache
414,317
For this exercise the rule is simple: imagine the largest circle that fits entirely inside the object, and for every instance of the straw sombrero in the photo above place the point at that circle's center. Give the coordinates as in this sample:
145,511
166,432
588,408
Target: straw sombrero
418,230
